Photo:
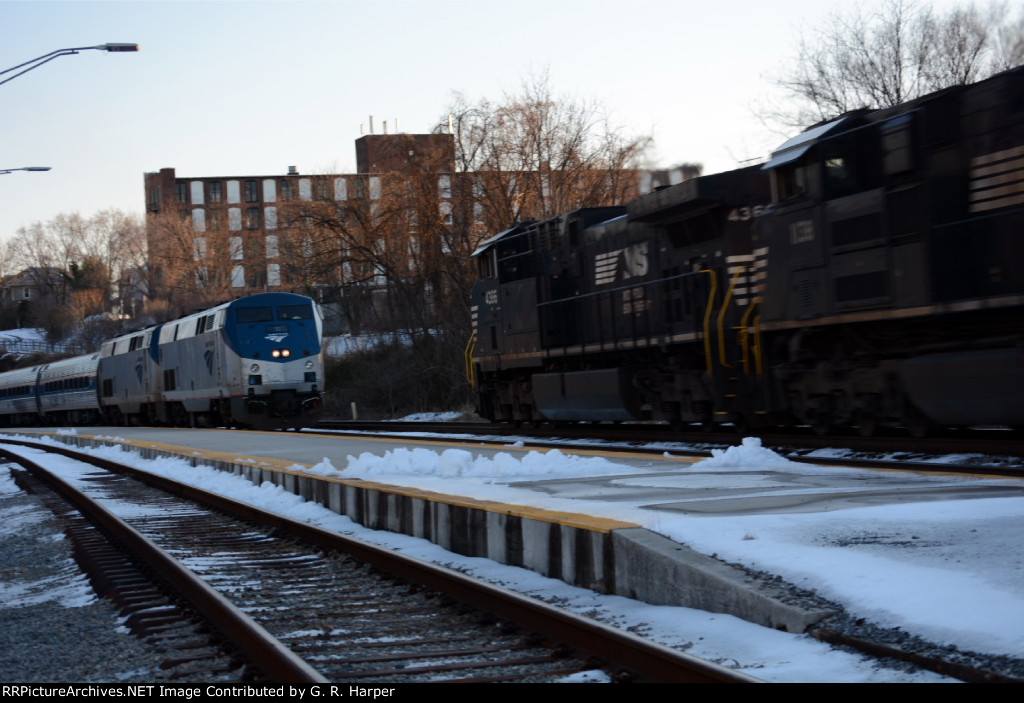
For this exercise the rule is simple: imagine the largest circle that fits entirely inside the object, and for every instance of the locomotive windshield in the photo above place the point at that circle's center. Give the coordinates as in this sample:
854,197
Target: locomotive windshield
263,313
295,312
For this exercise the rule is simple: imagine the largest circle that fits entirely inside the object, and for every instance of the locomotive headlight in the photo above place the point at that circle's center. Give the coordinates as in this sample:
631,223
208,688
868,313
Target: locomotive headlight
285,353
254,368
276,353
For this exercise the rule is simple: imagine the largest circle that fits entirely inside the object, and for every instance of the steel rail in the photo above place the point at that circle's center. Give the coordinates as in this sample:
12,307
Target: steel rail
648,660
265,650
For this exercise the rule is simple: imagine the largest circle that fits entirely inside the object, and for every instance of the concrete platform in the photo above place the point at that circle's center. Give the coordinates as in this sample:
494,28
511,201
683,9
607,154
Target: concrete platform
608,556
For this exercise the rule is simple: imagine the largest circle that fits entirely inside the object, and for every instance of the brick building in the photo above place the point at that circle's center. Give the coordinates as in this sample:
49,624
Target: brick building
404,208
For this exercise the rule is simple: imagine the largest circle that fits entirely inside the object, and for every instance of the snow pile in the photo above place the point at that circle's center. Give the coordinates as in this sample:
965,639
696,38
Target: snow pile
324,468
750,456
459,463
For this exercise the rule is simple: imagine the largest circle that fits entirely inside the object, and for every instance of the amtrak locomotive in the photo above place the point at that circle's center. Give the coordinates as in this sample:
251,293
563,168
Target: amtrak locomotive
254,362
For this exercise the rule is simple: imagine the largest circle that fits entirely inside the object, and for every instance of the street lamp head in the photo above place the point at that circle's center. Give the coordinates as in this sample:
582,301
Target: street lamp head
24,68
117,47
4,171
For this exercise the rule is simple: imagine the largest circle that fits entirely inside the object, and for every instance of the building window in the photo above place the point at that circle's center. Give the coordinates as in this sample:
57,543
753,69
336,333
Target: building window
305,189
199,248
234,219
269,190
271,218
359,188
215,220
252,194
235,245
414,253
182,192
198,220
238,277
272,249
374,187
323,189
446,213
252,218
287,189
444,186
234,193
340,189
154,198
197,192
215,191
273,275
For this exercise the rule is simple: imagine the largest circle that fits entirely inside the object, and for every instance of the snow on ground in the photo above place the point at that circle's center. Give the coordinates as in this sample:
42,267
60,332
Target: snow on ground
23,335
64,583
348,344
949,570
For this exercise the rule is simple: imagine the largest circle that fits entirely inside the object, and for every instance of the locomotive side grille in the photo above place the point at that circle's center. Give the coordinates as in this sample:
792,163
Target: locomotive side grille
997,180
605,266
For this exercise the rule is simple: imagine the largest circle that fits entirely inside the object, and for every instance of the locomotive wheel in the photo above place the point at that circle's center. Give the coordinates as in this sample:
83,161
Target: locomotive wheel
917,424
823,425
867,424
740,422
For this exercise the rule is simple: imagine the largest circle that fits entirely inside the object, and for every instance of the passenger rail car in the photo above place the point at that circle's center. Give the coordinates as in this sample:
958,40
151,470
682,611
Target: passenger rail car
870,273
256,361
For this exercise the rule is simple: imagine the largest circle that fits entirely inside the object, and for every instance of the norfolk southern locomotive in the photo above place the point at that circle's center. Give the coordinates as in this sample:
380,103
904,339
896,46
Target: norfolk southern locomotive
255,361
870,273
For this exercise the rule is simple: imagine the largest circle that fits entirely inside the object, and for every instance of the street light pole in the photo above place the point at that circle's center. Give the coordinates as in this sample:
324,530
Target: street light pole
46,58
24,168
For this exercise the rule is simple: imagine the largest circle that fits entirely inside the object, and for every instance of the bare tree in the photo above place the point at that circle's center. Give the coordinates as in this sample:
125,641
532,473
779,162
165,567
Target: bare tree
537,155
191,268
900,52
66,267
393,250
118,240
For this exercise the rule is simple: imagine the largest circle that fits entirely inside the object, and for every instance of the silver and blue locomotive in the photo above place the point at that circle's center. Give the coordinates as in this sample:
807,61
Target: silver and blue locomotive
254,362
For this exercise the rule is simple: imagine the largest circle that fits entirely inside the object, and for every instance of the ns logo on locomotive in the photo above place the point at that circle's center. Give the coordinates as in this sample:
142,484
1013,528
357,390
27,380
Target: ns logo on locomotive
870,274
254,362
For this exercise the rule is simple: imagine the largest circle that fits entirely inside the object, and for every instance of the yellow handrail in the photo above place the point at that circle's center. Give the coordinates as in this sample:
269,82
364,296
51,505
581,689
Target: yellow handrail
468,358
707,318
721,317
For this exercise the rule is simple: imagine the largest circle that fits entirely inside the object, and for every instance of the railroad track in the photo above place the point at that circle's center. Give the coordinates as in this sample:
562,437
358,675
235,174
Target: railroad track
296,603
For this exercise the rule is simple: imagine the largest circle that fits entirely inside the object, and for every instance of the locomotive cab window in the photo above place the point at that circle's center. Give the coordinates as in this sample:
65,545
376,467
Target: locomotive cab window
294,312
789,181
254,314
851,162
897,144
485,264
515,258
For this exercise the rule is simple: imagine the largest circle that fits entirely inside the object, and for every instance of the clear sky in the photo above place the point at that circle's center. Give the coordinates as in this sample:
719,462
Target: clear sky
249,88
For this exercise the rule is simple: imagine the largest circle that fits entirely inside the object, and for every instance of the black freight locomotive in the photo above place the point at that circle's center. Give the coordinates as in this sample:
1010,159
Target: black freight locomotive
870,273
